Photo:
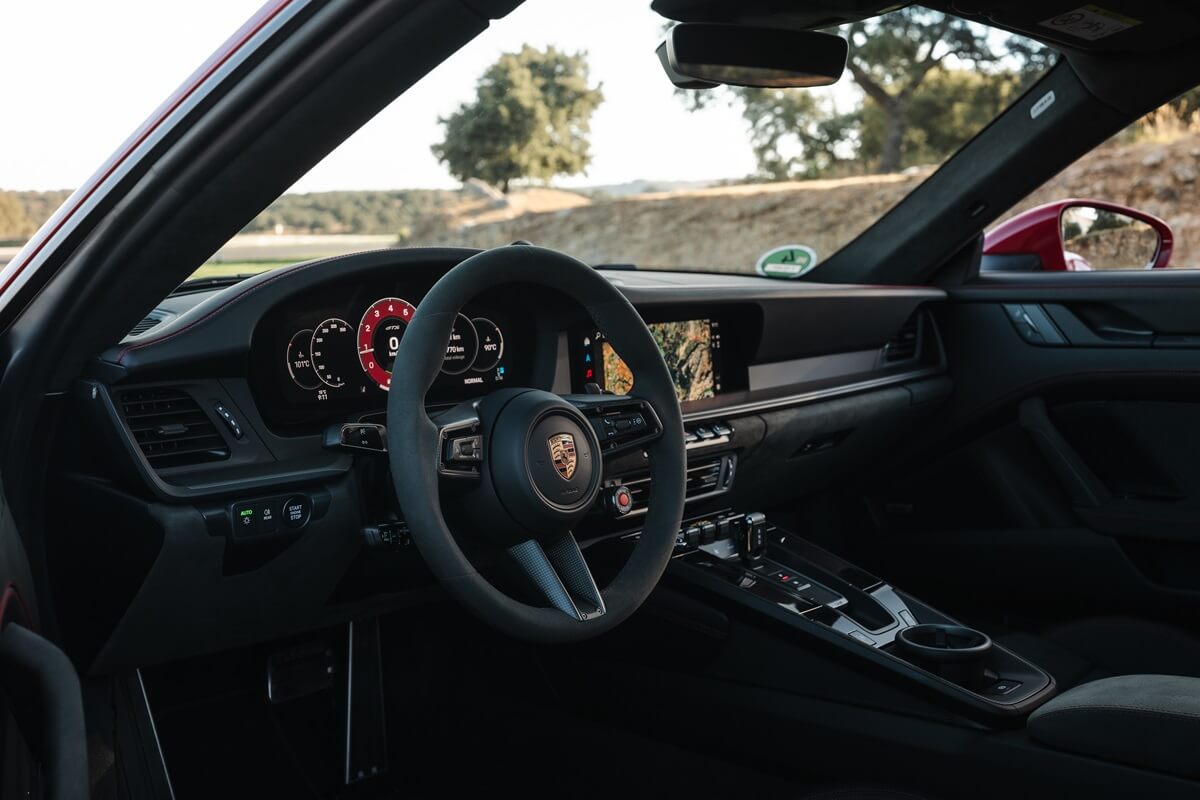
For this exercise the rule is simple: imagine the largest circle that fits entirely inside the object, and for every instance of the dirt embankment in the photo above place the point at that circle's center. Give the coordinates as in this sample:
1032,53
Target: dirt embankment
727,227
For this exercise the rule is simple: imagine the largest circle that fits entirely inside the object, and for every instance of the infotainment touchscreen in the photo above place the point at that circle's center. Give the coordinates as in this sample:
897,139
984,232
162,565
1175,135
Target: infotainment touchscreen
691,349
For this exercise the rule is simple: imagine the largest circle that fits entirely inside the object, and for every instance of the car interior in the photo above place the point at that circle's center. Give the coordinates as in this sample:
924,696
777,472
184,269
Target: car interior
427,521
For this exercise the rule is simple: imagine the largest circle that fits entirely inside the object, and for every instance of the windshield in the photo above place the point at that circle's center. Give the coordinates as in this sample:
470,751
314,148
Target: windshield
558,126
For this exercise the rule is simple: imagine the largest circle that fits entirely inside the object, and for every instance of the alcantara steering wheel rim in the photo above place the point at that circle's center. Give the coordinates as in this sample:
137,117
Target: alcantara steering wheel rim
417,446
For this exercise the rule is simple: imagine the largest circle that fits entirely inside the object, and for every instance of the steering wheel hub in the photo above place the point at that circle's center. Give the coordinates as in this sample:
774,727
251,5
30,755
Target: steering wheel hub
543,460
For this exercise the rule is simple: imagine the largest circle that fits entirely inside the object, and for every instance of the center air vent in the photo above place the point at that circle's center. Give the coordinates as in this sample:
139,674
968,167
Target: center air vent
906,343
170,428
704,478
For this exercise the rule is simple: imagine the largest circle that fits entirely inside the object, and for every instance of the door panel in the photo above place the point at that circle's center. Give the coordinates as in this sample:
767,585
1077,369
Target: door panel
1063,478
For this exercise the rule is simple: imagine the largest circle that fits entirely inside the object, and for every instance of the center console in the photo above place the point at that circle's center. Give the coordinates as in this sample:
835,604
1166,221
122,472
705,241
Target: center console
754,563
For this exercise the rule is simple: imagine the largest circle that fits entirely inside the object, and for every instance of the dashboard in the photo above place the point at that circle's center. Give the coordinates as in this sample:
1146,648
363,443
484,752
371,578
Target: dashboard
206,432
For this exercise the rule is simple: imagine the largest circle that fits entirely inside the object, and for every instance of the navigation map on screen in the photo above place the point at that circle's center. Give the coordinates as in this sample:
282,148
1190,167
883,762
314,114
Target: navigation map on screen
687,348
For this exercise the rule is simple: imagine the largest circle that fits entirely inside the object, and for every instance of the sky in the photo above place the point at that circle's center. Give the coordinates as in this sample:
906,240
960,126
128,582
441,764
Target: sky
88,73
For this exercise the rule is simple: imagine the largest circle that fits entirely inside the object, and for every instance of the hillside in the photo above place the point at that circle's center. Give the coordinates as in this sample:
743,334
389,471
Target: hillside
716,227
726,227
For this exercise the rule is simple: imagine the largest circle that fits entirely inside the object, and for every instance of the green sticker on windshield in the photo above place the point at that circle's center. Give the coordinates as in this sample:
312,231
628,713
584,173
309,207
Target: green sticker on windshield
789,261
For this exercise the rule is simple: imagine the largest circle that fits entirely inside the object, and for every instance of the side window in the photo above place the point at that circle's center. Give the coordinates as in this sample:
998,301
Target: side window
1131,204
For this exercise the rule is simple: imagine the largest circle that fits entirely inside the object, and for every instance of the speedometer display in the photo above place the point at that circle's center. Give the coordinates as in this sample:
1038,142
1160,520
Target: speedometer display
379,334
330,352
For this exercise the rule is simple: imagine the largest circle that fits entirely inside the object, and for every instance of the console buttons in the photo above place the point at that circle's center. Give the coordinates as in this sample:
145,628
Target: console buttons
724,528
907,618
230,421
1005,687
690,438
245,519
692,535
704,433
859,636
296,511
268,519
708,531
722,429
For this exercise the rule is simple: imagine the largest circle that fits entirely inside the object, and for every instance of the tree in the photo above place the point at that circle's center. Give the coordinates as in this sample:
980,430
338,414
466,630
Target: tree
14,222
891,56
530,119
794,134
944,113
930,82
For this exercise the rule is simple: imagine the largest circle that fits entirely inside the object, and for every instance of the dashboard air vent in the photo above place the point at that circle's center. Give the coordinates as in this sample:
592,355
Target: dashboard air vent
703,479
906,343
151,320
170,428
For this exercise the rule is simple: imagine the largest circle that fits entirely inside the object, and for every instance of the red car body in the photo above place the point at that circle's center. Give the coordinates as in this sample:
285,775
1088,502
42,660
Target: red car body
1038,231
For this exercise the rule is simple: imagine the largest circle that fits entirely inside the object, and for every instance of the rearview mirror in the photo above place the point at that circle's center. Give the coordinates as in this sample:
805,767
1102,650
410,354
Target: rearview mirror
1078,236
703,55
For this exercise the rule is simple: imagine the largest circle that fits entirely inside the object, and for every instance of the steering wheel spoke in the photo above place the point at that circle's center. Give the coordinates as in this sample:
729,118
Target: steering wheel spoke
558,570
621,422
460,441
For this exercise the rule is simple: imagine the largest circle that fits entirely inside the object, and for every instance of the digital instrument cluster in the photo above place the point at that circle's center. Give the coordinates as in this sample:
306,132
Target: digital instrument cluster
330,353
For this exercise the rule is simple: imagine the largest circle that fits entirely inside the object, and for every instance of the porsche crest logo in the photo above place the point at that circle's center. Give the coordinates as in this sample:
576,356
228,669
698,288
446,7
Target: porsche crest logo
562,452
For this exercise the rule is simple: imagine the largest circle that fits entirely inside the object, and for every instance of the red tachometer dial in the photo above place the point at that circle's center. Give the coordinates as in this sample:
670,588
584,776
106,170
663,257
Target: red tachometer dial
379,334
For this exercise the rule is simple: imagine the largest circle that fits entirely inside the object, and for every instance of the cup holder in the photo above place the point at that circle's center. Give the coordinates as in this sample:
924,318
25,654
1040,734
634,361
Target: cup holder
956,653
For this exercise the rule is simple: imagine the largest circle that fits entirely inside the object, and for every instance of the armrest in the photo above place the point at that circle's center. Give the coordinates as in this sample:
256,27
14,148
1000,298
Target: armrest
1150,721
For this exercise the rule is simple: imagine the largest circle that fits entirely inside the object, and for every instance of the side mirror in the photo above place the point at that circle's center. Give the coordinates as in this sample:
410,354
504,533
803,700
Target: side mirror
1079,236
703,55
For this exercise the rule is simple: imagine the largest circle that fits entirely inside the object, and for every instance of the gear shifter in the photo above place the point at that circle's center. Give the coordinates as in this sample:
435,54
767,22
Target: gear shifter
751,537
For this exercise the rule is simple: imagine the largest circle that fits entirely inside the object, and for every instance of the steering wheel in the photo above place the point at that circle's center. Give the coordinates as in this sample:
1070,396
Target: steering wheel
529,463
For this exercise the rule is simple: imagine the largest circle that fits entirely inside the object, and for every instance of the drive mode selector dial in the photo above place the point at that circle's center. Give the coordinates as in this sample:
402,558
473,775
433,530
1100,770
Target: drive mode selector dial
379,334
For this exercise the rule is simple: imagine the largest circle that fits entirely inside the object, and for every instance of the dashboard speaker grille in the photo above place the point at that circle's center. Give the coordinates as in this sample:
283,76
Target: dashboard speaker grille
171,429
151,320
